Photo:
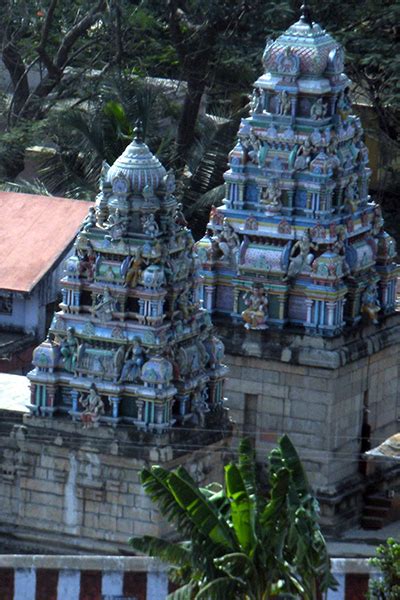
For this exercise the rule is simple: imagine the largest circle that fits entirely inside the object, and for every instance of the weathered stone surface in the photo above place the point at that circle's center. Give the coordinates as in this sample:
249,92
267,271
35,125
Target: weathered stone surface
80,496
321,405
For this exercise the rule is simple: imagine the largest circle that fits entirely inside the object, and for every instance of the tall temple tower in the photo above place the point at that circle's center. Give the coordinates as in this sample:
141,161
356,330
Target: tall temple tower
299,273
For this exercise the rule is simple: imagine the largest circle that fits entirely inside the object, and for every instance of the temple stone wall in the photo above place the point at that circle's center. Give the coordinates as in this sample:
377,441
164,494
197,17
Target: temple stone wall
62,491
320,403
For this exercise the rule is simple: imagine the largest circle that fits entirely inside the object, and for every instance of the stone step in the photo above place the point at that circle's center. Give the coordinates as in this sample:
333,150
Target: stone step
377,500
372,522
375,511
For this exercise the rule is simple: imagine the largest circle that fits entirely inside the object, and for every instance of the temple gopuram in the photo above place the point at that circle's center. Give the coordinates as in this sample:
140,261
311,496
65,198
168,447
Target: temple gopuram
299,241
130,375
300,275
131,342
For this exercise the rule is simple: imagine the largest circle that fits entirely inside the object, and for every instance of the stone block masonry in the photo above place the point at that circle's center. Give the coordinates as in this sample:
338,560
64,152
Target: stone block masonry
67,489
323,393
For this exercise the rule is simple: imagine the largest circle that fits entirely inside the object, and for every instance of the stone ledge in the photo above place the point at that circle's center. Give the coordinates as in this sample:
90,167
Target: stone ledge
82,563
298,348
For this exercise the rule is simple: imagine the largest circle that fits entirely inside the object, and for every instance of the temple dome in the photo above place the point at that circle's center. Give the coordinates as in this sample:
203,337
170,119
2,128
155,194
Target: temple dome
314,50
137,167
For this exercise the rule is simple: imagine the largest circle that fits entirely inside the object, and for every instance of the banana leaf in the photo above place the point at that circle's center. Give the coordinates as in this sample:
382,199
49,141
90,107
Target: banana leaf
202,513
242,508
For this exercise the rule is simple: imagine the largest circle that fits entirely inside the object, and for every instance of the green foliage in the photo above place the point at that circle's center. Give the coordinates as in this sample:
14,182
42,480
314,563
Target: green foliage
388,561
242,544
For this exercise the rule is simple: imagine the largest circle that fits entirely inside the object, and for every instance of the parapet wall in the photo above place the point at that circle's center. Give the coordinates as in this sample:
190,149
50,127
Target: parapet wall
126,578
66,489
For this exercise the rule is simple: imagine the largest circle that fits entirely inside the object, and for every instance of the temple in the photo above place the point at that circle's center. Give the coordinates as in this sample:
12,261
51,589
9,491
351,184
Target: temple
298,241
131,342
300,277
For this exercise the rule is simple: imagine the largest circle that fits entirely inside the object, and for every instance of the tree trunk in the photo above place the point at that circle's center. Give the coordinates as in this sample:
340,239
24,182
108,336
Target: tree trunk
19,77
188,119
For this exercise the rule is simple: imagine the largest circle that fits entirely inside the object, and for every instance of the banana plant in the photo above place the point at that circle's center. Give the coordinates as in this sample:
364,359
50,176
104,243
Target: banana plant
241,543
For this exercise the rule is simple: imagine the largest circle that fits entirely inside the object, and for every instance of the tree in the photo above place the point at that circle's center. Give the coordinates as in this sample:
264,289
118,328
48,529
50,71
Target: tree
61,40
388,561
241,543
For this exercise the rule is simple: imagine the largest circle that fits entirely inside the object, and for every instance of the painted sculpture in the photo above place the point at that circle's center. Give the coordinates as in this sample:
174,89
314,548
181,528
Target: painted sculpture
131,342
297,221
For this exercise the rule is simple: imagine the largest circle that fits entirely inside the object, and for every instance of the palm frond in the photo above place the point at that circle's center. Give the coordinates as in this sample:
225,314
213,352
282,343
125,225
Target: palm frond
185,592
173,553
219,589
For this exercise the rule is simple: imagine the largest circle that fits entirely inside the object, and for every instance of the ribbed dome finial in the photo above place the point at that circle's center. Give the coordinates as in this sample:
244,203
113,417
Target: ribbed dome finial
138,131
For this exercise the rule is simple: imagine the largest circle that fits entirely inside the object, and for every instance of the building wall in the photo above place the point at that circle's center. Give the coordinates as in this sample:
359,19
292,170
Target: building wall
319,394
117,578
66,491
29,310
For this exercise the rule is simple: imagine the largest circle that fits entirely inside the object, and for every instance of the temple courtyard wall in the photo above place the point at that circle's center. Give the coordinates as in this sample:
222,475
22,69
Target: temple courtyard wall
326,394
63,489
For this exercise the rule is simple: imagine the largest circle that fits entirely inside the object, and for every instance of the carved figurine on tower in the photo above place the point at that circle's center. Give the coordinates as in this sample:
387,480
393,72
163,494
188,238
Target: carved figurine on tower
297,219
131,342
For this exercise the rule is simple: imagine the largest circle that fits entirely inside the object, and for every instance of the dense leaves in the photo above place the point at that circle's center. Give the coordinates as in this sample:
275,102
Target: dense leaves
241,544
388,561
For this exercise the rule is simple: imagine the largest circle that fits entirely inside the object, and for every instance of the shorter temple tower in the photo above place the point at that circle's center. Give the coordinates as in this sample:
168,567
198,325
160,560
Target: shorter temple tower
130,374
300,275
131,342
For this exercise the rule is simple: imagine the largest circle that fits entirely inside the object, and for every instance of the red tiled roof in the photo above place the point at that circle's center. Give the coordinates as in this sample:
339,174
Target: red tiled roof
34,232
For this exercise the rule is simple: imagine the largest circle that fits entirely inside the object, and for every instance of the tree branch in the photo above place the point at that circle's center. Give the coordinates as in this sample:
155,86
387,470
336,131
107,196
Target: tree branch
75,33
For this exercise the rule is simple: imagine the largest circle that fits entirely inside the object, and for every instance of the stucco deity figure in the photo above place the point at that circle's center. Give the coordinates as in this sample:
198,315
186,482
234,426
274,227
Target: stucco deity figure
185,301
69,350
256,313
228,242
134,360
134,269
352,194
256,101
104,306
284,103
90,220
377,221
343,105
303,156
150,226
301,255
370,305
93,407
339,247
87,260
200,406
214,217
318,109
116,225
270,196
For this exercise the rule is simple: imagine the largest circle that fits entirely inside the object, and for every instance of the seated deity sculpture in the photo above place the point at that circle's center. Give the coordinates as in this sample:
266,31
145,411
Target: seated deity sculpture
228,242
256,313
93,407
134,360
301,255
150,226
319,109
104,306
